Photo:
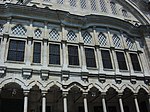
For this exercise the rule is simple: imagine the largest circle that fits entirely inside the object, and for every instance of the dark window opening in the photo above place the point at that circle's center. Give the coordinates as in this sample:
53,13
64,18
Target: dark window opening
54,54
135,62
16,50
73,55
106,59
121,61
90,57
37,52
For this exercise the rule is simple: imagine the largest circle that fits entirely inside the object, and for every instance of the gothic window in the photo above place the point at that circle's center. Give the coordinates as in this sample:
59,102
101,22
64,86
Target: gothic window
124,13
73,55
37,52
116,41
71,36
103,6
54,35
37,33
18,30
83,4
135,62
121,61
130,43
93,5
54,54
90,57
1,28
113,8
87,38
16,50
102,39
60,1
73,3
106,59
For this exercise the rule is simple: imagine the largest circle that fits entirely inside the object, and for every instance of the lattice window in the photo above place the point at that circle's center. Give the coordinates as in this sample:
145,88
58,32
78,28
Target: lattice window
103,6
1,28
47,0
113,8
18,30
102,39
93,5
130,43
54,35
73,3
116,41
124,13
60,1
87,38
83,4
71,36
37,33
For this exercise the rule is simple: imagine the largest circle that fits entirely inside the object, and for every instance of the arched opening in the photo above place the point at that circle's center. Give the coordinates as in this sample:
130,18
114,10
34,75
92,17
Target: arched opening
35,98
112,100
75,100
11,99
54,100
128,101
143,100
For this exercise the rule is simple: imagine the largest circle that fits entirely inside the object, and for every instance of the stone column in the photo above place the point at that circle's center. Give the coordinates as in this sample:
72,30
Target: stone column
26,101
44,102
136,103
85,102
104,102
65,101
120,102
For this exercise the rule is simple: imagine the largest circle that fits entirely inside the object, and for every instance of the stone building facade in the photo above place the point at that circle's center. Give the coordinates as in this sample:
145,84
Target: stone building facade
74,56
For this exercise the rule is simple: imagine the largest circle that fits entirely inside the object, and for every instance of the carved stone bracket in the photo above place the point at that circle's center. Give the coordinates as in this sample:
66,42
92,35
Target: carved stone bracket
2,71
102,77
65,74
44,74
26,73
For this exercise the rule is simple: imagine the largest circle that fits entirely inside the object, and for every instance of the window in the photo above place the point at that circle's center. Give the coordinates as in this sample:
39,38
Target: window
71,36
54,35
135,62
106,59
73,3
37,52
54,54
102,5
113,8
19,30
37,33
16,50
90,57
102,39
93,5
98,109
1,28
83,4
116,41
121,61
87,38
73,55
124,13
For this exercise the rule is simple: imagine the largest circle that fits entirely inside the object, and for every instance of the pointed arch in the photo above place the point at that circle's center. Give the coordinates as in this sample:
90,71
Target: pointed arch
19,30
71,36
87,38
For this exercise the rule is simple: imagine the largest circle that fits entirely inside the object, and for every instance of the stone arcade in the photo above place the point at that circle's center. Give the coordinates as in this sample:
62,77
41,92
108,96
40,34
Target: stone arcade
74,56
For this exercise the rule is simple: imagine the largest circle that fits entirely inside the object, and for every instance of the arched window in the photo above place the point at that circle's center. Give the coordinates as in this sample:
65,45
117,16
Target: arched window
130,43
124,13
102,39
71,36
113,8
87,38
1,28
73,3
54,35
116,41
102,5
37,33
93,5
18,30
60,1
83,4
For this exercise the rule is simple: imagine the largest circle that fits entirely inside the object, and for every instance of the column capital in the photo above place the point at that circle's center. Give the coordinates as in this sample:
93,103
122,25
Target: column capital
103,94
65,93
120,95
135,95
85,94
44,93
26,92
